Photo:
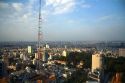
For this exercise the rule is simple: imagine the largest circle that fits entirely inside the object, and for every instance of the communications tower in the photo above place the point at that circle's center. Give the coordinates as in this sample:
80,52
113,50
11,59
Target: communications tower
39,32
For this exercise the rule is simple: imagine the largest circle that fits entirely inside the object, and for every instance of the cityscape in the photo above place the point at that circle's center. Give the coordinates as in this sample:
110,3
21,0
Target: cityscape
62,41
62,62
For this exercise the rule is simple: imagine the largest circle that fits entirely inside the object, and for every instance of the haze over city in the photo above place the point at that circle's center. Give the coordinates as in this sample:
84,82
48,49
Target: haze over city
63,20
62,41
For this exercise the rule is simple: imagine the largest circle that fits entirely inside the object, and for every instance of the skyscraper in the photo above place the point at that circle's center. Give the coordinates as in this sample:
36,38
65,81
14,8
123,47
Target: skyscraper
96,61
29,49
122,52
3,70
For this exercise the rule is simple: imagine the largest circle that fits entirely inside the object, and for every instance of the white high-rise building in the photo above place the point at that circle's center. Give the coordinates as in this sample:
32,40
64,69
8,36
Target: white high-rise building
65,47
23,56
64,53
29,49
36,55
47,46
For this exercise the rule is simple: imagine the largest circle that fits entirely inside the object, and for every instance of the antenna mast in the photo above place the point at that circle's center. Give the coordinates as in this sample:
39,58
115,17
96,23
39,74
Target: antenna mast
39,30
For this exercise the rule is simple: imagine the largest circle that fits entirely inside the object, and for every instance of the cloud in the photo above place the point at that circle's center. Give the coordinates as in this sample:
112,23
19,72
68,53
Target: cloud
71,21
64,9
18,10
17,6
4,5
19,16
85,5
26,16
106,17
60,6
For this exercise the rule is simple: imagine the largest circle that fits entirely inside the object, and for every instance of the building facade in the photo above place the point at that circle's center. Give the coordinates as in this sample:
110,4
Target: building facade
96,61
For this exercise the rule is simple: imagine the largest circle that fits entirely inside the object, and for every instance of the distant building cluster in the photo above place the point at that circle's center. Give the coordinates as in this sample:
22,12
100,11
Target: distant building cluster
57,64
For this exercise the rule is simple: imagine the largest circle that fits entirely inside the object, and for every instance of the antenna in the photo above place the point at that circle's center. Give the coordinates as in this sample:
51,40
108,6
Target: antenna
39,30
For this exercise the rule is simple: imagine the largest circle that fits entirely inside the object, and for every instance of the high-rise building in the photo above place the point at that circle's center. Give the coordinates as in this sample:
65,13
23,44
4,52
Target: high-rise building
36,56
47,46
3,70
65,47
29,49
23,56
64,53
122,52
50,56
6,60
45,56
39,55
96,61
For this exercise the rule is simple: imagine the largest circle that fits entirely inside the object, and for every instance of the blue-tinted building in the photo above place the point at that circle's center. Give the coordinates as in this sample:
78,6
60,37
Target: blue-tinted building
3,70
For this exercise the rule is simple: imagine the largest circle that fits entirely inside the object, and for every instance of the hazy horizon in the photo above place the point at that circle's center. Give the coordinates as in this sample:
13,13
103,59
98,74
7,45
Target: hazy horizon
63,20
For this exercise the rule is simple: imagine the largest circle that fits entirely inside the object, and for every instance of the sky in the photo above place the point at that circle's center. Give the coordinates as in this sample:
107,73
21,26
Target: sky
63,20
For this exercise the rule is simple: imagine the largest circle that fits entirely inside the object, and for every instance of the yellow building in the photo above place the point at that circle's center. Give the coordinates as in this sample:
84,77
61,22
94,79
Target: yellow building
122,52
96,61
